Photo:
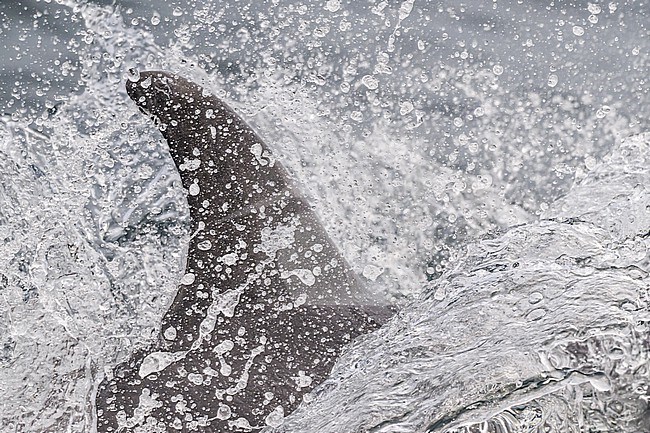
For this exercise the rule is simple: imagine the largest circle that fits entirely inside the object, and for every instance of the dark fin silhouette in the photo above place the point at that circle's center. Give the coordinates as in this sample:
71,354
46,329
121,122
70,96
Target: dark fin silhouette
267,302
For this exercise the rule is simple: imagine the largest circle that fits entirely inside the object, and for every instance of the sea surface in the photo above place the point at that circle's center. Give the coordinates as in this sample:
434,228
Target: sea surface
482,163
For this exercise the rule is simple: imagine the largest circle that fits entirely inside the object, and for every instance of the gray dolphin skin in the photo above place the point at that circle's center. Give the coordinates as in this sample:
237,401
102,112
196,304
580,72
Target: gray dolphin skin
267,303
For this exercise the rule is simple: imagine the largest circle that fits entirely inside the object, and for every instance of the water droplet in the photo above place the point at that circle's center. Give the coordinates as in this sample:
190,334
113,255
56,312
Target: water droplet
333,5
497,70
594,8
536,314
188,279
370,82
146,83
603,111
155,18
321,32
405,108
224,347
204,245
552,80
177,12
133,75
440,293
300,300
405,9
195,378
590,162
170,333
578,31
535,298
230,259
304,275
242,424
372,272
224,411
275,418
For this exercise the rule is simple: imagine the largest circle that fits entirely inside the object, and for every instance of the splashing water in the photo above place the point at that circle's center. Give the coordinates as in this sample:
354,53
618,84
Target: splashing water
409,144
544,329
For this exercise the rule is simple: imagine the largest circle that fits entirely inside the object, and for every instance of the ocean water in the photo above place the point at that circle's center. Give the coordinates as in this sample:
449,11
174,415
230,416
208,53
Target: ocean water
479,163
544,328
